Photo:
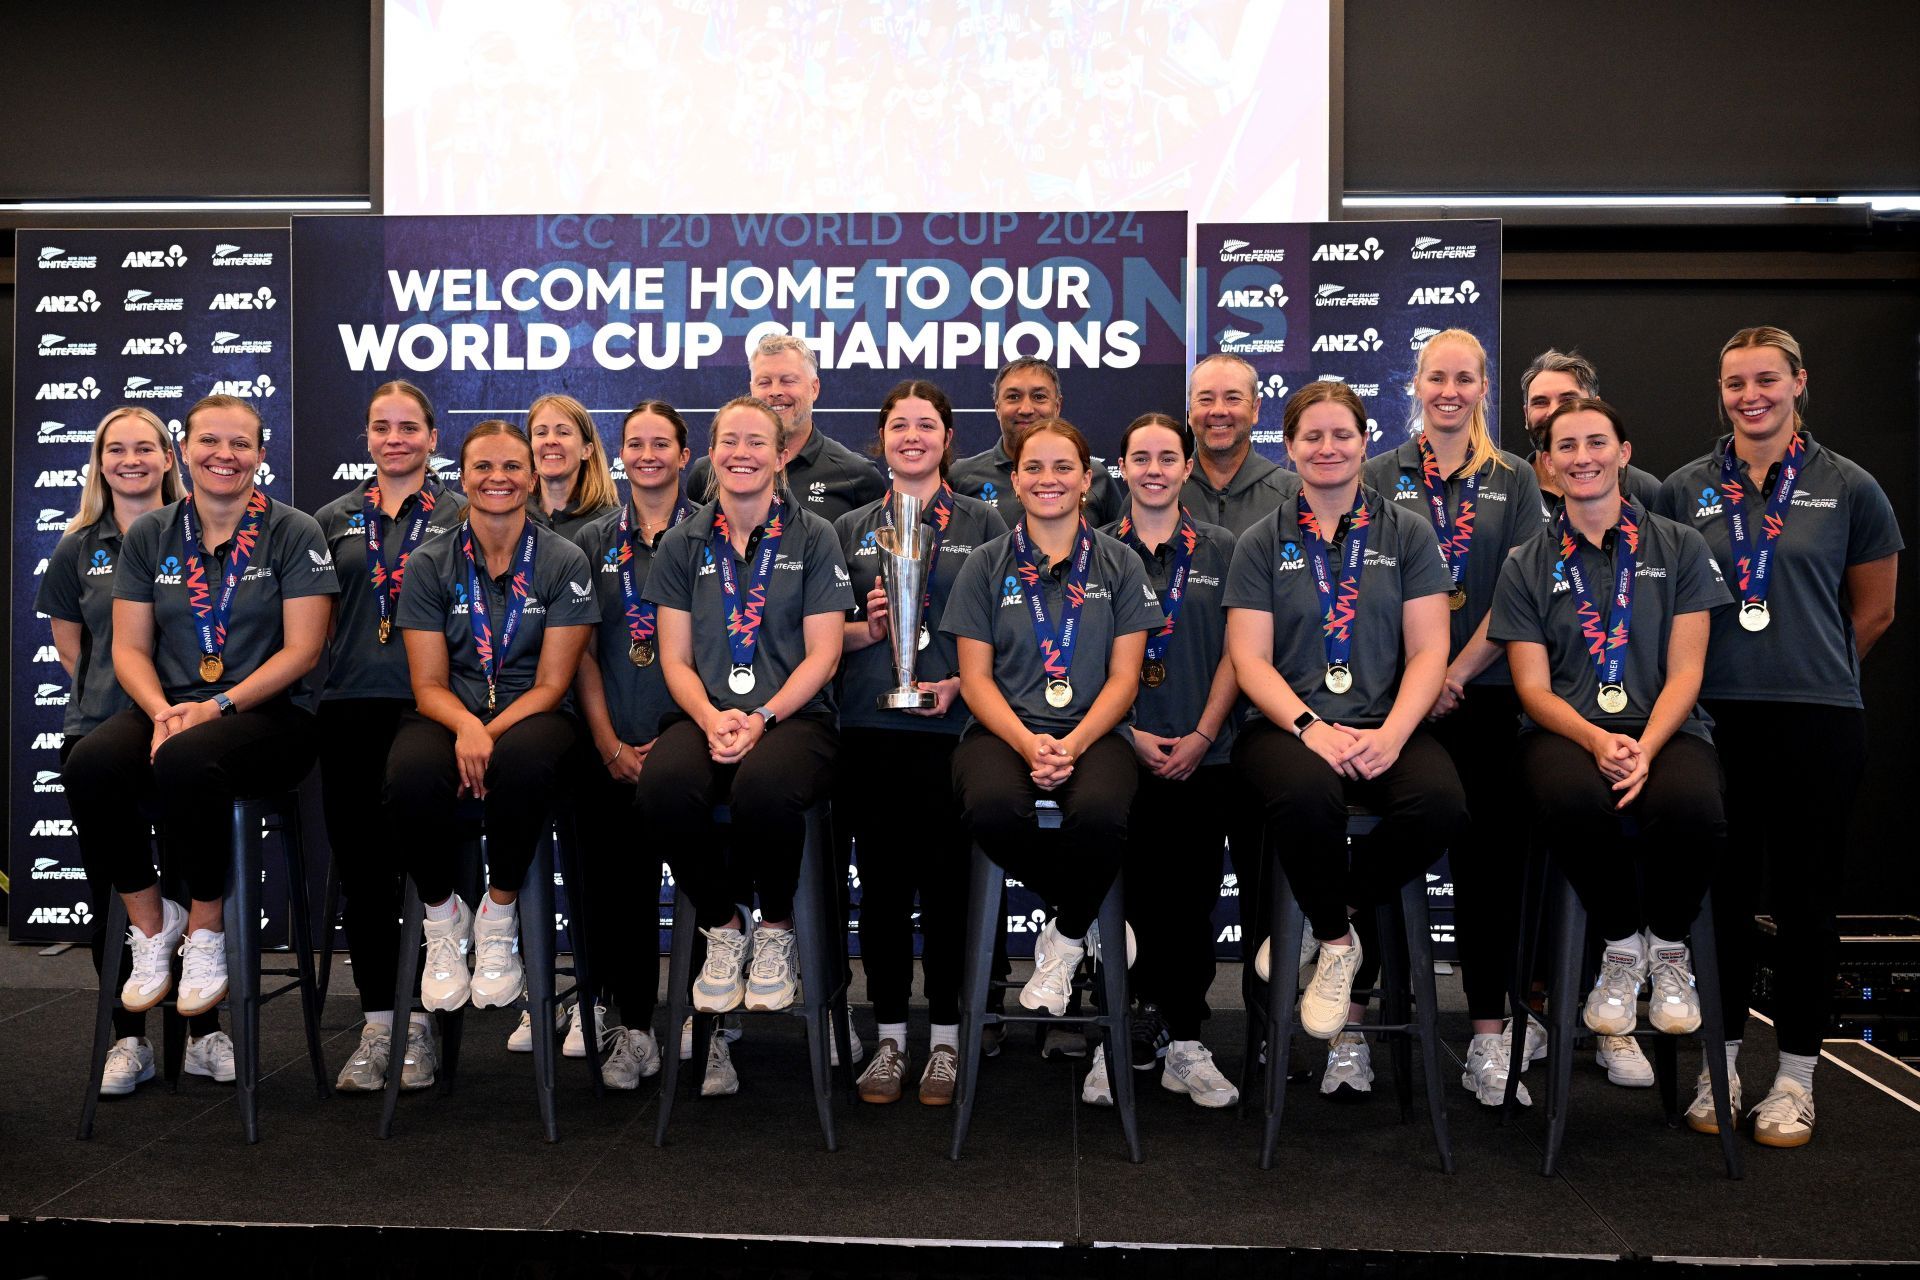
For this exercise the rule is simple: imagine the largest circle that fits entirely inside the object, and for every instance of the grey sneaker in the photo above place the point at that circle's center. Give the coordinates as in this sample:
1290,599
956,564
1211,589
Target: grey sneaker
1489,1064
722,985
210,1055
366,1070
774,978
1096,1090
1673,1006
129,1063
634,1057
418,1067
1349,1073
721,1079
1190,1070
1610,1009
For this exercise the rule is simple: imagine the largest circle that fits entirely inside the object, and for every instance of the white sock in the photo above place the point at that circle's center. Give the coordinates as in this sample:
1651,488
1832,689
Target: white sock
447,910
946,1033
1798,1067
496,911
894,1031
1631,942
1184,1046
1733,1057
1655,943
384,1018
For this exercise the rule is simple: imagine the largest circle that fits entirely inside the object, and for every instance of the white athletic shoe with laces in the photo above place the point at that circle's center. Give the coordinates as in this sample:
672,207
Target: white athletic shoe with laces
1349,1073
575,1045
774,978
152,975
1624,1062
1701,1117
203,972
419,1063
728,1026
721,985
1190,1070
1784,1117
129,1064
1323,1005
1489,1064
1673,1006
1610,1009
721,1079
1095,1090
497,975
444,984
366,1070
210,1055
521,1040
635,1056
1055,961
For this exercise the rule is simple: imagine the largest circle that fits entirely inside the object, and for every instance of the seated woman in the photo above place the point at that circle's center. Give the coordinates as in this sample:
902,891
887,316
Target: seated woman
1605,617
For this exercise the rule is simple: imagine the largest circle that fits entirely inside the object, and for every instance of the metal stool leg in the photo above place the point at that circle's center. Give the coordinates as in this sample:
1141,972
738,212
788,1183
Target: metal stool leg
1419,949
581,907
300,933
104,1005
1396,997
1526,948
813,915
1569,936
406,974
242,918
984,922
1713,1033
1117,1017
329,925
679,979
1288,924
537,955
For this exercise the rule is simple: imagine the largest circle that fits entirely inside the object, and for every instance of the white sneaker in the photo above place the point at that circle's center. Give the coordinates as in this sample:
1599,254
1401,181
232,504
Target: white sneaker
1784,1117
833,1048
721,985
1055,961
1190,1070
1489,1064
152,975
129,1063
210,1055
1095,1090
1701,1117
497,976
727,1028
1536,1046
366,1070
634,1057
576,1042
1673,1006
418,1065
773,979
721,1079
1093,943
1323,1006
1349,1073
1625,1064
1309,947
203,972
1610,1007
443,983
521,1041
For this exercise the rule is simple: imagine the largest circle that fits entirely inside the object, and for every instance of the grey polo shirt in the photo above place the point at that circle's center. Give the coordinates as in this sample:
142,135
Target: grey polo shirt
1535,602
809,577
989,477
1506,513
867,674
1173,709
1270,573
358,665
636,696
826,478
290,562
989,604
570,522
78,587
1839,517
1255,492
434,598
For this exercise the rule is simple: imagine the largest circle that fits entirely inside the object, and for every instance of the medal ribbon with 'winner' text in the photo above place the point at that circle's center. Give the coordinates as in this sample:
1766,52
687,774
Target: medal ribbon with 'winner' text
493,659
1455,544
1185,539
1753,560
386,587
210,614
743,618
1606,646
1056,647
1339,605
640,613
942,509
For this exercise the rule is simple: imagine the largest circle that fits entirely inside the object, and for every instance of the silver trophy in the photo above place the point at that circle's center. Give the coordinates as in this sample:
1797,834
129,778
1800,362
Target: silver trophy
904,575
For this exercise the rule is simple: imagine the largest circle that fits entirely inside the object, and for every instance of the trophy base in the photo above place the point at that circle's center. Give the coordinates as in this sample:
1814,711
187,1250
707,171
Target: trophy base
906,700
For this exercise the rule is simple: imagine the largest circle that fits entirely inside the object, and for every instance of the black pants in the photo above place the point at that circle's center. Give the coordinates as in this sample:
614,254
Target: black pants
1073,868
1786,855
768,794
1175,837
1419,801
529,777
98,887
1482,737
1682,825
897,801
190,784
356,737
621,914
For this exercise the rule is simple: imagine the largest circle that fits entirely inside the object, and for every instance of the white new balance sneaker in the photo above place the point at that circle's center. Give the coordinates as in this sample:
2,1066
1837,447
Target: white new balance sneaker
497,976
774,978
1673,1006
1489,1064
721,1079
129,1064
1095,1089
722,984
210,1055
1610,1009
1624,1063
1055,961
635,1056
1349,1073
444,984
575,1045
1190,1070
366,1070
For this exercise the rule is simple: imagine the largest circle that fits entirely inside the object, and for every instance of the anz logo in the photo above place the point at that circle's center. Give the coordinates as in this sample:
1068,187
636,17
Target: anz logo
1010,591
1444,295
1560,582
1709,503
1290,557
1366,340
989,494
169,575
100,564
1404,490
1367,250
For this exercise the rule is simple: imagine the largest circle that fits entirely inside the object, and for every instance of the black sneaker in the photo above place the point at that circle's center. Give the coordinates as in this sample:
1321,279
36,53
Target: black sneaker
1150,1037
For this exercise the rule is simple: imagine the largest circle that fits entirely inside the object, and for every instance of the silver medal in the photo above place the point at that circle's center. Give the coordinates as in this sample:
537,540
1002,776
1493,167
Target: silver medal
1339,677
740,680
1754,615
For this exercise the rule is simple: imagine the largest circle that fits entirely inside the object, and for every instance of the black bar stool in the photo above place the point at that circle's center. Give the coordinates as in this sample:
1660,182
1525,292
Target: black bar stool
821,948
538,955
1408,1001
985,920
1567,995
252,820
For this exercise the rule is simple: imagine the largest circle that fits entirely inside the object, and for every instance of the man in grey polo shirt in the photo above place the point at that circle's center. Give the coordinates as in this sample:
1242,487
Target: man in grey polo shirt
1554,378
1025,391
1232,486
826,477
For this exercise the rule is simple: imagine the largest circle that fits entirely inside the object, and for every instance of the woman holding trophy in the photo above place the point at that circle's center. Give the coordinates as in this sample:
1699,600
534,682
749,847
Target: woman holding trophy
900,717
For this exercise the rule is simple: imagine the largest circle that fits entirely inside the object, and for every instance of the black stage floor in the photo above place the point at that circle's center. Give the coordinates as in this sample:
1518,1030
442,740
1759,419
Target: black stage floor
1041,1167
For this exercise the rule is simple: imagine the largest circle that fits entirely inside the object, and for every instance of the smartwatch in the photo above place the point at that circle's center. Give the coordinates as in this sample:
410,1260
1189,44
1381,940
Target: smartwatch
766,713
225,704
1303,722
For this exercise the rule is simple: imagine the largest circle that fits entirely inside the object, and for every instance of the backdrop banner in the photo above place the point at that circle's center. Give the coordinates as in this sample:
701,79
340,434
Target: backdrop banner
1350,302
104,318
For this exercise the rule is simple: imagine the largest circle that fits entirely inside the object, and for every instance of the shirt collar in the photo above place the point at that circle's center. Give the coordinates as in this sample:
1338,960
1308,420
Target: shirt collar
1254,468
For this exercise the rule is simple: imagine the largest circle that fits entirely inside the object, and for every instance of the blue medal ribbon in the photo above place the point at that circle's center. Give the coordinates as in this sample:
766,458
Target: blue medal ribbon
1456,531
1753,557
1606,643
1338,605
744,617
493,657
1056,645
641,614
386,586
1185,540
210,613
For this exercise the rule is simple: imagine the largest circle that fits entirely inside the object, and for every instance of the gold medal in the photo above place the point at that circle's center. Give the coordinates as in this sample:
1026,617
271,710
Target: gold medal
492,697
1754,615
1457,598
640,653
1613,698
1059,693
386,630
211,667
1339,677
1153,673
